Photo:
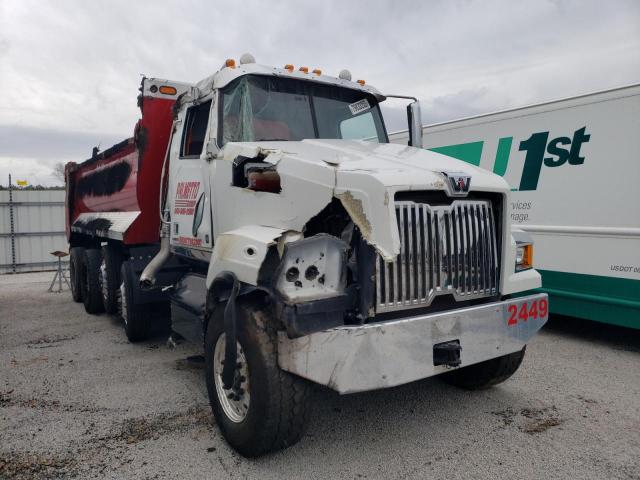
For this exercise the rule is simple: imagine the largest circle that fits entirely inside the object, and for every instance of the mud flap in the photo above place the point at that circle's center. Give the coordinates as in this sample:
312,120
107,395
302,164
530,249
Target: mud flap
228,281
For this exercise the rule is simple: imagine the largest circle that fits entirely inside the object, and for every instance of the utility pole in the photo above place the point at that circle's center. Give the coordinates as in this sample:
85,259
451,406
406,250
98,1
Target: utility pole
12,228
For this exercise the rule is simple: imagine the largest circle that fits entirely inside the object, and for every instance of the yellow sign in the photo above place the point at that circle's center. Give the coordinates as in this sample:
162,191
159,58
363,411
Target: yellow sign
22,183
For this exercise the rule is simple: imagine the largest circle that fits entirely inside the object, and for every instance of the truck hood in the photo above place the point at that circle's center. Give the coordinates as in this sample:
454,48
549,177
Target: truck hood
364,176
392,164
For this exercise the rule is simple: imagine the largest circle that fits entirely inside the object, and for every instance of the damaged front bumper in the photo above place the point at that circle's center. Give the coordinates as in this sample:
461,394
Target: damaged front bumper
385,354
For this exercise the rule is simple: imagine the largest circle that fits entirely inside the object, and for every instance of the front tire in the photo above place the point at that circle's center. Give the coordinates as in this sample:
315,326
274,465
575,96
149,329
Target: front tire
267,408
135,318
91,285
75,272
486,374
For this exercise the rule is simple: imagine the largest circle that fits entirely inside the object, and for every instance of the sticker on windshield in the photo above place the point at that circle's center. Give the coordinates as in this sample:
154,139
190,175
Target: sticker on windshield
359,106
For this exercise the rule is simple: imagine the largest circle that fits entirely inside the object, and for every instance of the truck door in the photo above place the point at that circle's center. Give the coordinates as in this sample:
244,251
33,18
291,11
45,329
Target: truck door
191,206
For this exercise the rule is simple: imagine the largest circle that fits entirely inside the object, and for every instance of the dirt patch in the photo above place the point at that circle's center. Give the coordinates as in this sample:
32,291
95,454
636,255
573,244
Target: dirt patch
29,362
8,399
530,420
134,430
25,465
506,415
49,341
586,400
539,426
194,362
5,397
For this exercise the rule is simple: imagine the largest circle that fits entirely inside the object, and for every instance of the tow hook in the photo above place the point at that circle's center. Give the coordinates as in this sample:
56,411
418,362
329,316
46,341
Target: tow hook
447,353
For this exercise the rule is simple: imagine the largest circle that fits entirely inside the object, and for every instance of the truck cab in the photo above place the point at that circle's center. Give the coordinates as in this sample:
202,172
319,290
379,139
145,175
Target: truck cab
251,107
299,246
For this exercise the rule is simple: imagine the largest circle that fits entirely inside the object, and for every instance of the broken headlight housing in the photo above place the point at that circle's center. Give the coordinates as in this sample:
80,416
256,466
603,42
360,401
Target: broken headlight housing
312,268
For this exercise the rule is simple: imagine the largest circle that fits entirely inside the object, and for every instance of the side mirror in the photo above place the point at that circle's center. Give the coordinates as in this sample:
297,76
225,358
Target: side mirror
414,117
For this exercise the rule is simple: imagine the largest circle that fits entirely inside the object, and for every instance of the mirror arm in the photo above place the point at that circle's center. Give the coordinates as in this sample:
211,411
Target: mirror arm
402,96
414,119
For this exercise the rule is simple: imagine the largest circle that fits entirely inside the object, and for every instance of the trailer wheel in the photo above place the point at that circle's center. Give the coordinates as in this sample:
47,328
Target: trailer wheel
267,408
75,272
110,278
134,316
485,374
91,282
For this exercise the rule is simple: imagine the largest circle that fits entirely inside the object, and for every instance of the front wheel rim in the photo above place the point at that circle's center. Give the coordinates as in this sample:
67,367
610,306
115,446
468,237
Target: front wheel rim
235,401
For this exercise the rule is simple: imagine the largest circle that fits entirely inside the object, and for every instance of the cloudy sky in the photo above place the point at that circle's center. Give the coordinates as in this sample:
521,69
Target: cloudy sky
69,70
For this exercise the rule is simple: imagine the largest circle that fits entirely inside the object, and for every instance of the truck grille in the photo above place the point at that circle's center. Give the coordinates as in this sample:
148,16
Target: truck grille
444,249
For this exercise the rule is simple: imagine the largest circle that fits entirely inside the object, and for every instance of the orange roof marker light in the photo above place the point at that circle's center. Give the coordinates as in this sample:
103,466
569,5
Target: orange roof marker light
230,62
317,71
361,82
168,90
289,67
304,69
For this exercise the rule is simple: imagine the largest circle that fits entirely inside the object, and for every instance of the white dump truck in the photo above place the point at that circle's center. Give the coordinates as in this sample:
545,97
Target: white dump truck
268,209
573,167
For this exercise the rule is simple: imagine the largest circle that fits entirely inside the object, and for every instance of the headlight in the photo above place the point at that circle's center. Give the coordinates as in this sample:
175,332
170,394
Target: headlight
312,268
524,256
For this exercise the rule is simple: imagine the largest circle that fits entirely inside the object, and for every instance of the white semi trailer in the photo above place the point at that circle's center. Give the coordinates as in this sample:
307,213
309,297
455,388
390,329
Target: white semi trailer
573,166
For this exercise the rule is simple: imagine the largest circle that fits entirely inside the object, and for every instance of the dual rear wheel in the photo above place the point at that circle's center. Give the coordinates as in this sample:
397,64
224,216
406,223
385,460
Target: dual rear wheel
75,268
135,316
86,284
110,278
102,280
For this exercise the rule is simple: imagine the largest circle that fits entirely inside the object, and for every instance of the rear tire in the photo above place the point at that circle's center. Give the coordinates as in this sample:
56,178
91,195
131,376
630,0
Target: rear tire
134,316
91,285
278,402
485,374
75,272
110,278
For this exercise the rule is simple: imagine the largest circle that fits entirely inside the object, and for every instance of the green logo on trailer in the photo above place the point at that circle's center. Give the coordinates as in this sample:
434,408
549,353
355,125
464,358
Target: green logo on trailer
561,150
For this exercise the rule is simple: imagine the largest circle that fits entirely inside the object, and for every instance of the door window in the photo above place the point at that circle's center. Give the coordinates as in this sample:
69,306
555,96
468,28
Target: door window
195,128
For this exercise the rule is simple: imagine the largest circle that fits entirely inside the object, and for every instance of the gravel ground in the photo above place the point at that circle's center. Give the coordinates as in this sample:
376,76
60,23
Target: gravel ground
77,400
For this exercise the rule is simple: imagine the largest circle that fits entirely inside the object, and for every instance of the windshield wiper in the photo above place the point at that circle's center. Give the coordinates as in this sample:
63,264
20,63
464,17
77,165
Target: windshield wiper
271,140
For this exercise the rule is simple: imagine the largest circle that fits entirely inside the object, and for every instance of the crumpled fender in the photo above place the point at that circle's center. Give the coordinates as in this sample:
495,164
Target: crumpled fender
243,250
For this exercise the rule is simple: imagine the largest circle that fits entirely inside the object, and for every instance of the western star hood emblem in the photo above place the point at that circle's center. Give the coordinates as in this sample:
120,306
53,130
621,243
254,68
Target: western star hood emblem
459,182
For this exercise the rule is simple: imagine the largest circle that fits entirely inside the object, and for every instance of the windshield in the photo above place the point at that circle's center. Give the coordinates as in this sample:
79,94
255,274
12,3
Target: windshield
257,108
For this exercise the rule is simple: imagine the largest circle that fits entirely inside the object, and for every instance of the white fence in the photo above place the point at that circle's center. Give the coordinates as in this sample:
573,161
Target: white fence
31,227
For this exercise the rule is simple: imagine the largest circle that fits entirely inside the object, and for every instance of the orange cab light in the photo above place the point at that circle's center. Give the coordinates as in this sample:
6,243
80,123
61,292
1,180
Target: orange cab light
527,259
317,71
289,67
304,69
230,62
168,90
361,82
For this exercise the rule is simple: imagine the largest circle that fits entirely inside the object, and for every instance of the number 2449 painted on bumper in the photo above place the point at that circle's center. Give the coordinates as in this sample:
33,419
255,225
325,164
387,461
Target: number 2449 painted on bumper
527,310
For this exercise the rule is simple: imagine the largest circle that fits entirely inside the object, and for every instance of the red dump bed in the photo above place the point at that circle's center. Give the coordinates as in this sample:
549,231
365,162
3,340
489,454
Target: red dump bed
114,194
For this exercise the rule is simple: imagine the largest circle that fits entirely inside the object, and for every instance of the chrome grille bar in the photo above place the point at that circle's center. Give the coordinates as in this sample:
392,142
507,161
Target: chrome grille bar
444,249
